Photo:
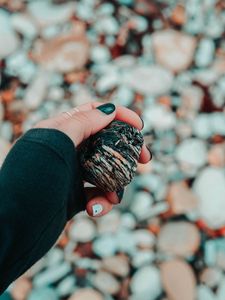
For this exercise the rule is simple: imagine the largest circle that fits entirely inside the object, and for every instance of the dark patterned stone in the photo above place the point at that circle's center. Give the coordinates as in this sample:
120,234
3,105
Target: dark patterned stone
109,158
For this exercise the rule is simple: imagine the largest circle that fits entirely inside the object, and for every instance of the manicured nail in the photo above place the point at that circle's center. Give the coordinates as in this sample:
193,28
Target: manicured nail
107,108
142,123
120,194
97,209
149,152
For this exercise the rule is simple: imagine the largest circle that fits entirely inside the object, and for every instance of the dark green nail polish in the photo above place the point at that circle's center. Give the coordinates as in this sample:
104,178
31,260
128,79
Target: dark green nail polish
107,108
120,194
142,123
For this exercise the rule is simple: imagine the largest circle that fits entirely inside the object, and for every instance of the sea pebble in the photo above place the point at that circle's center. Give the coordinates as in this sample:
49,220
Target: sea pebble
115,150
107,25
178,280
54,256
85,294
5,146
37,90
179,238
9,40
192,97
142,258
52,274
217,122
209,186
125,241
45,13
144,238
146,282
6,130
82,230
159,79
141,203
181,198
159,118
109,223
192,153
25,25
201,126
106,282
66,286
221,290
64,53
211,277
205,53
173,49
117,265
216,155
205,293
105,245
100,54
45,293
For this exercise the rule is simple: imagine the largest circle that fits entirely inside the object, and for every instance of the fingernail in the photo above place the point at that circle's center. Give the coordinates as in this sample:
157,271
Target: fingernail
97,209
120,194
107,108
149,152
142,123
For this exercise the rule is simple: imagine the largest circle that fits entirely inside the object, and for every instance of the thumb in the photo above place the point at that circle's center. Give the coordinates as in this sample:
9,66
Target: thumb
86,123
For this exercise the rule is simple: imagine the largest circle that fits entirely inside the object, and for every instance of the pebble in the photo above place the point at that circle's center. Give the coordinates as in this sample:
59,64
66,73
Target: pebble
46,14
142,258
1,112
179,238
181,198
100,54
105,245
173,50
209,186
205,53
146,283
117,265
106,282
211,277
192,152
159,79
216,155
86,294
144,238
178,280
204,293
66,286
141,203
221,290
109,223
45,293
25,25
9,40
52,274
192,98
82,230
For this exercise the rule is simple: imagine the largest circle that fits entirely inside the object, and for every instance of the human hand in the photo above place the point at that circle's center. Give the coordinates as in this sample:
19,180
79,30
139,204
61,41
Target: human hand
85,120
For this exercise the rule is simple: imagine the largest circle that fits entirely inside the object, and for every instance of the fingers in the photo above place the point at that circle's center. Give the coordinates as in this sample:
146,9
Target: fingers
145,155
100,203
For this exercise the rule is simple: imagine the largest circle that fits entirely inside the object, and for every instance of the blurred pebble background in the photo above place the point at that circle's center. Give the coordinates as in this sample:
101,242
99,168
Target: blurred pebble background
166,61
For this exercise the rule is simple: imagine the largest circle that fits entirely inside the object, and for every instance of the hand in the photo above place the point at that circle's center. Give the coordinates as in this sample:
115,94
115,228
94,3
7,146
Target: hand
81,124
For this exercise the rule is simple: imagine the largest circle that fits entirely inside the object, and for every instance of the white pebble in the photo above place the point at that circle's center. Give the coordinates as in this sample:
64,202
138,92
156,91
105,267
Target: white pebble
205,53
82,230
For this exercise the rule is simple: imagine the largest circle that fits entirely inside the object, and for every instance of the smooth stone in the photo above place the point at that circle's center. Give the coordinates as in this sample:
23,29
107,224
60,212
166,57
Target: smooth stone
107,25
6,130
159,118
204,293
144,238
221,290
54,256
201,126
142,258
192,97
105,245
100,54
106,282
52,274
125,241
109,223
191,152
173,49
21,288
209,186
9,40
146,281
24,24
178,280
108,81
179,238
45,13
216,155
211,277
82,230
158,78
181,198
205,53
217,122
117,265
45,293
142,201
86,294
4,149
123,96
66,286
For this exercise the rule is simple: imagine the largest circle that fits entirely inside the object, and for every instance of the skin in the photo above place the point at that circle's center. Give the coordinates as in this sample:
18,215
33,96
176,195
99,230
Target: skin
86,122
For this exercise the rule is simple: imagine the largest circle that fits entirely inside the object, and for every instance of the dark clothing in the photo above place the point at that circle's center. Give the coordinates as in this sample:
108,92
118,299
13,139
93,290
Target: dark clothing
41,188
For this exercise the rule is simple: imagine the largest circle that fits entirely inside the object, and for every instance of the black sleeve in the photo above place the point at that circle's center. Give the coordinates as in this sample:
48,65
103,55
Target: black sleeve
40,190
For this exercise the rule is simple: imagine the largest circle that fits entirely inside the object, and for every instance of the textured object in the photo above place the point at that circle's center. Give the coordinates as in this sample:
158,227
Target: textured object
109,158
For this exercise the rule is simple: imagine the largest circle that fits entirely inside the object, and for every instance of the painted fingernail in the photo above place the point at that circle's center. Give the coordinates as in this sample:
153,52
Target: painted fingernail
120,194
142,123
97,209
107,108
149,152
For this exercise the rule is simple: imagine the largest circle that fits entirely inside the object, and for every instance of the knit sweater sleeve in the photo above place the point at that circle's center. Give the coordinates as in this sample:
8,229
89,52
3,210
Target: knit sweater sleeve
41,189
